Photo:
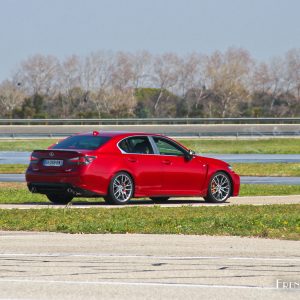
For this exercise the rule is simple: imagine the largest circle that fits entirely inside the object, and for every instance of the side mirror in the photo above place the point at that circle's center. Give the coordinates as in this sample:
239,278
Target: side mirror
190,154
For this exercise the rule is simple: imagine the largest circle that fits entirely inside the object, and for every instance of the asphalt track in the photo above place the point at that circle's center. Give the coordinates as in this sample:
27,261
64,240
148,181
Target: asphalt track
63,266
270,180
15,157
244,179
173,202
258,130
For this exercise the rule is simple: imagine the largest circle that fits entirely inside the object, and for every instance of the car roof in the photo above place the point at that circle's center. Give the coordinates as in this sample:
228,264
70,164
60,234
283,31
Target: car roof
125,134
117,133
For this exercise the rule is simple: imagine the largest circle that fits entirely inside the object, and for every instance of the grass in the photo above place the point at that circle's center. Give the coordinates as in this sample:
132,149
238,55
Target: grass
268,190
254,146
17,193
25,145
213,145
271,169
13,168
247,169
271,221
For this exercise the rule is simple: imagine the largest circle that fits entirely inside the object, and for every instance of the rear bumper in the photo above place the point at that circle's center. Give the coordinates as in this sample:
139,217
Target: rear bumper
71,178
64,188
49,187
72,183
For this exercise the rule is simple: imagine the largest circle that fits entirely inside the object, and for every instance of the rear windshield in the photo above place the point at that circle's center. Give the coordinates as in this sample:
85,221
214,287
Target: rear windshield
86,142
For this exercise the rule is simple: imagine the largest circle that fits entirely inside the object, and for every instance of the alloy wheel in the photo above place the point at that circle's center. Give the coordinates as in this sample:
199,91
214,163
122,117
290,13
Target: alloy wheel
122,187
219,188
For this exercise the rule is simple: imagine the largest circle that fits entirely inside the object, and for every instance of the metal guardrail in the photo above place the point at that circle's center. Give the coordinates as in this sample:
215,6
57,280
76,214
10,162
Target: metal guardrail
149,121
175,134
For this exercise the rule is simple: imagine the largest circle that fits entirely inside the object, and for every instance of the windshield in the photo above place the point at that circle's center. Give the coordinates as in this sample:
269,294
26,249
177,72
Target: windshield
86,142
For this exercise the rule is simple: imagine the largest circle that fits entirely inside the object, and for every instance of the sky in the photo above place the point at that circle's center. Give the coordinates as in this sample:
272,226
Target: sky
267,28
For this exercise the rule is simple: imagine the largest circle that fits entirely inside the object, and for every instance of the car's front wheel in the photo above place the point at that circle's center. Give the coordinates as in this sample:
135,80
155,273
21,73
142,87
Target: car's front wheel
219,188
120,189
59,198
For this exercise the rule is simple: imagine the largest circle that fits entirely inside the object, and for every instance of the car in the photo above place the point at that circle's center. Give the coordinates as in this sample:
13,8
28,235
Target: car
119,166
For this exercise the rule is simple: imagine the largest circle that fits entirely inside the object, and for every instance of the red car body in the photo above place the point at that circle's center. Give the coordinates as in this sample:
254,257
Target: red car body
155,172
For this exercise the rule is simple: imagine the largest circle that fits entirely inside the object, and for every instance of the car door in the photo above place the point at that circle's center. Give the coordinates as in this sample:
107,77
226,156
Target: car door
181,176
143,164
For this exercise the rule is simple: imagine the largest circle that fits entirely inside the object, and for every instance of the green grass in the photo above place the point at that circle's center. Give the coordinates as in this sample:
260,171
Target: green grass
258,146
213,145
25,145
247,169
272,221
17,193
13,168
272,169
268,190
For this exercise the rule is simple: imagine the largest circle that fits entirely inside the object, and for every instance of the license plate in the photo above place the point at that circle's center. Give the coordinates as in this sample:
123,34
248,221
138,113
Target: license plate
52,162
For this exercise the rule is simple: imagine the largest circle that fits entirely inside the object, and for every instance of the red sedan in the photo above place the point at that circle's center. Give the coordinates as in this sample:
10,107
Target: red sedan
118,166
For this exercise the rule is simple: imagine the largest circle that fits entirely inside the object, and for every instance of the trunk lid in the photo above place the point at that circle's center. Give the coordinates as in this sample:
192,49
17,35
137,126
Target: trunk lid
52,161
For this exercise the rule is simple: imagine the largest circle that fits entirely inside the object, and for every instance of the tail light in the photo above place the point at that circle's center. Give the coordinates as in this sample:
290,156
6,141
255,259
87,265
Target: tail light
82,160
34,159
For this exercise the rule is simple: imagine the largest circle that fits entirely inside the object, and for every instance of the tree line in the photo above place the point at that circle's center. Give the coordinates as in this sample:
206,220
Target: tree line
107,84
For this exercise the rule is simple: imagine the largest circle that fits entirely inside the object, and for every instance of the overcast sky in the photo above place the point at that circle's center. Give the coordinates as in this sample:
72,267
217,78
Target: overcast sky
266,28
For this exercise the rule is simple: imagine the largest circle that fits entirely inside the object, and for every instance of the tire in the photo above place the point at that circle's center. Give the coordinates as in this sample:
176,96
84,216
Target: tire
159,199
120,190
60,198
106,200
219,188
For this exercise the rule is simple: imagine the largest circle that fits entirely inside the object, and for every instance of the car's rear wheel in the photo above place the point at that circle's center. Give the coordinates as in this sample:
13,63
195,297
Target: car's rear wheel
159,199
120,189
219,188
60,198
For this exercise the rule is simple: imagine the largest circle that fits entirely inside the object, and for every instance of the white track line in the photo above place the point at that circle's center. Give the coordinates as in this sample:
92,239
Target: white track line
140,284
146,256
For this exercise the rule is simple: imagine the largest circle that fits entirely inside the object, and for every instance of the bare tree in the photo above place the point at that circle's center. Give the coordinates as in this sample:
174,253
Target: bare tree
261,80
116,102
191,83
122,102
292,63
141,69
271,87
69,78
70,74
11,97
97,75
122,76
221,84
227,76
97,71
39,74
165,73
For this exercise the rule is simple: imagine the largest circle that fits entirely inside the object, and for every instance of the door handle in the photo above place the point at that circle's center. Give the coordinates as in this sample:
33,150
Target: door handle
166,162
131,159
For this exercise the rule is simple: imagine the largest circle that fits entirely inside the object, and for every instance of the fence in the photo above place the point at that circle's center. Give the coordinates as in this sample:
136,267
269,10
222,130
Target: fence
149,121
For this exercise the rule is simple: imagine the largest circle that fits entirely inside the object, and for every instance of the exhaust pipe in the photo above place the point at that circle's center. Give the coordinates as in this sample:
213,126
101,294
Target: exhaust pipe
71,191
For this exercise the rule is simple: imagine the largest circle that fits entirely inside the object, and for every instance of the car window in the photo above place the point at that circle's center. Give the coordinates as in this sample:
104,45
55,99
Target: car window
139,144
166,147
85,142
